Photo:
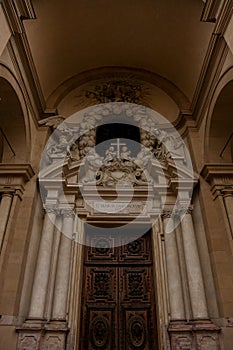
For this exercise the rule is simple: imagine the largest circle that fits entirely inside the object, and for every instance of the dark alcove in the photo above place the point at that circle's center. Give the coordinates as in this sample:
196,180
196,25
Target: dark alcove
109,133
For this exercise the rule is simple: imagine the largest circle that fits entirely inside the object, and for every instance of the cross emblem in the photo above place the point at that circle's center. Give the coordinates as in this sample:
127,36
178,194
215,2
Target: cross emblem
118,145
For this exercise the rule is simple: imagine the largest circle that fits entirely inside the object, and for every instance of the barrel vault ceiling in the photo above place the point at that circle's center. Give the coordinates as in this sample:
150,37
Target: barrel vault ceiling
165,37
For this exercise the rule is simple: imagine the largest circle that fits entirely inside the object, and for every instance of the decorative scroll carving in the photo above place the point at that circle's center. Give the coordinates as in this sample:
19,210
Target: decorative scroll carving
183,209
100,333
120,172
101,250
51,210
67,213
117,167
134,247
102,246
136,333
166,214
53,121
101,284
117,91
136,284
137,250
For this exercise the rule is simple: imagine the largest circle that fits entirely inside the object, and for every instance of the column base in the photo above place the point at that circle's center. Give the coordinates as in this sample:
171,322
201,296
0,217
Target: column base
194,335
38,335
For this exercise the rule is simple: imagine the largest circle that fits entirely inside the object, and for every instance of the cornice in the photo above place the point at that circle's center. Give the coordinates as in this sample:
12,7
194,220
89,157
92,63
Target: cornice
13,178
220,178
24,171
219,12
25,9
210,10
217,170
16,11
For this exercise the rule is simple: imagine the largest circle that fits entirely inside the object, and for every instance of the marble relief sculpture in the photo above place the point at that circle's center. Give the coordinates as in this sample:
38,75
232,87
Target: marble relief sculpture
117,167
76,142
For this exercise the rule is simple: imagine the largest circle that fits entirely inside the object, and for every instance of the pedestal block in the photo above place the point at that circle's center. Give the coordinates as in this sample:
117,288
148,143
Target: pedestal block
196,335
35,335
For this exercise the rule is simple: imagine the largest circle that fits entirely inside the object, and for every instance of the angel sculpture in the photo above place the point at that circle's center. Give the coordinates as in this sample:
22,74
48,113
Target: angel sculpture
53,121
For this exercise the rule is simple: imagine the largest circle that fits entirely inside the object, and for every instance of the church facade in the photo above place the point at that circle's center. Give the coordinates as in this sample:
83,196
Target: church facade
116,175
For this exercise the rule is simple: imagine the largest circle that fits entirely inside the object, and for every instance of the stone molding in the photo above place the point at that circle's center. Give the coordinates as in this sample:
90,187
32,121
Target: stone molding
67,213
177,211
201,335
220,178
21,10
37,335
210,11
13,177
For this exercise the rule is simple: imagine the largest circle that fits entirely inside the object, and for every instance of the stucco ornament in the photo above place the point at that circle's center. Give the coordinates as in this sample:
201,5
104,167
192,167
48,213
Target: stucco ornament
161,164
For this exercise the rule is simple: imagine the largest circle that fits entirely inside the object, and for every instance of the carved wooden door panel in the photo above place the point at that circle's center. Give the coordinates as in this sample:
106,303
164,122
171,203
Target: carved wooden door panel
118,311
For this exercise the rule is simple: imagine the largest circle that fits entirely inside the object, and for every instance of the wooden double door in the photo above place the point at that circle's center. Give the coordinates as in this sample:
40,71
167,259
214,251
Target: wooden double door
118,309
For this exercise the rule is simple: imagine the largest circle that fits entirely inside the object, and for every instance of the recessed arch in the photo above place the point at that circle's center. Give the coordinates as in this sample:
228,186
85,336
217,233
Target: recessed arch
15,136
219,124
171,90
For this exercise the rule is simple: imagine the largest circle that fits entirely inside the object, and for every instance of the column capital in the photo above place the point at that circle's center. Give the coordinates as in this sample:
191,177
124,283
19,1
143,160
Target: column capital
219,176
67,213
9,194
183,208
227,191
167,214
51,210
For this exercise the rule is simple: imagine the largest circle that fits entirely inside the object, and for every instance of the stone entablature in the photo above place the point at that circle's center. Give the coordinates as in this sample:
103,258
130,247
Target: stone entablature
220,178
14,177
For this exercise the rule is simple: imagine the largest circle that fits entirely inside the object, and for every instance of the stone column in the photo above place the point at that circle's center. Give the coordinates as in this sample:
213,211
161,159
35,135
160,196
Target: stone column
173,271
5,207
195,280
42,274
227,194
63,268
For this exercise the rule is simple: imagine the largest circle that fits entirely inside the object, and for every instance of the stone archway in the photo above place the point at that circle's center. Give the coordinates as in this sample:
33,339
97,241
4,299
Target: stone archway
70,203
